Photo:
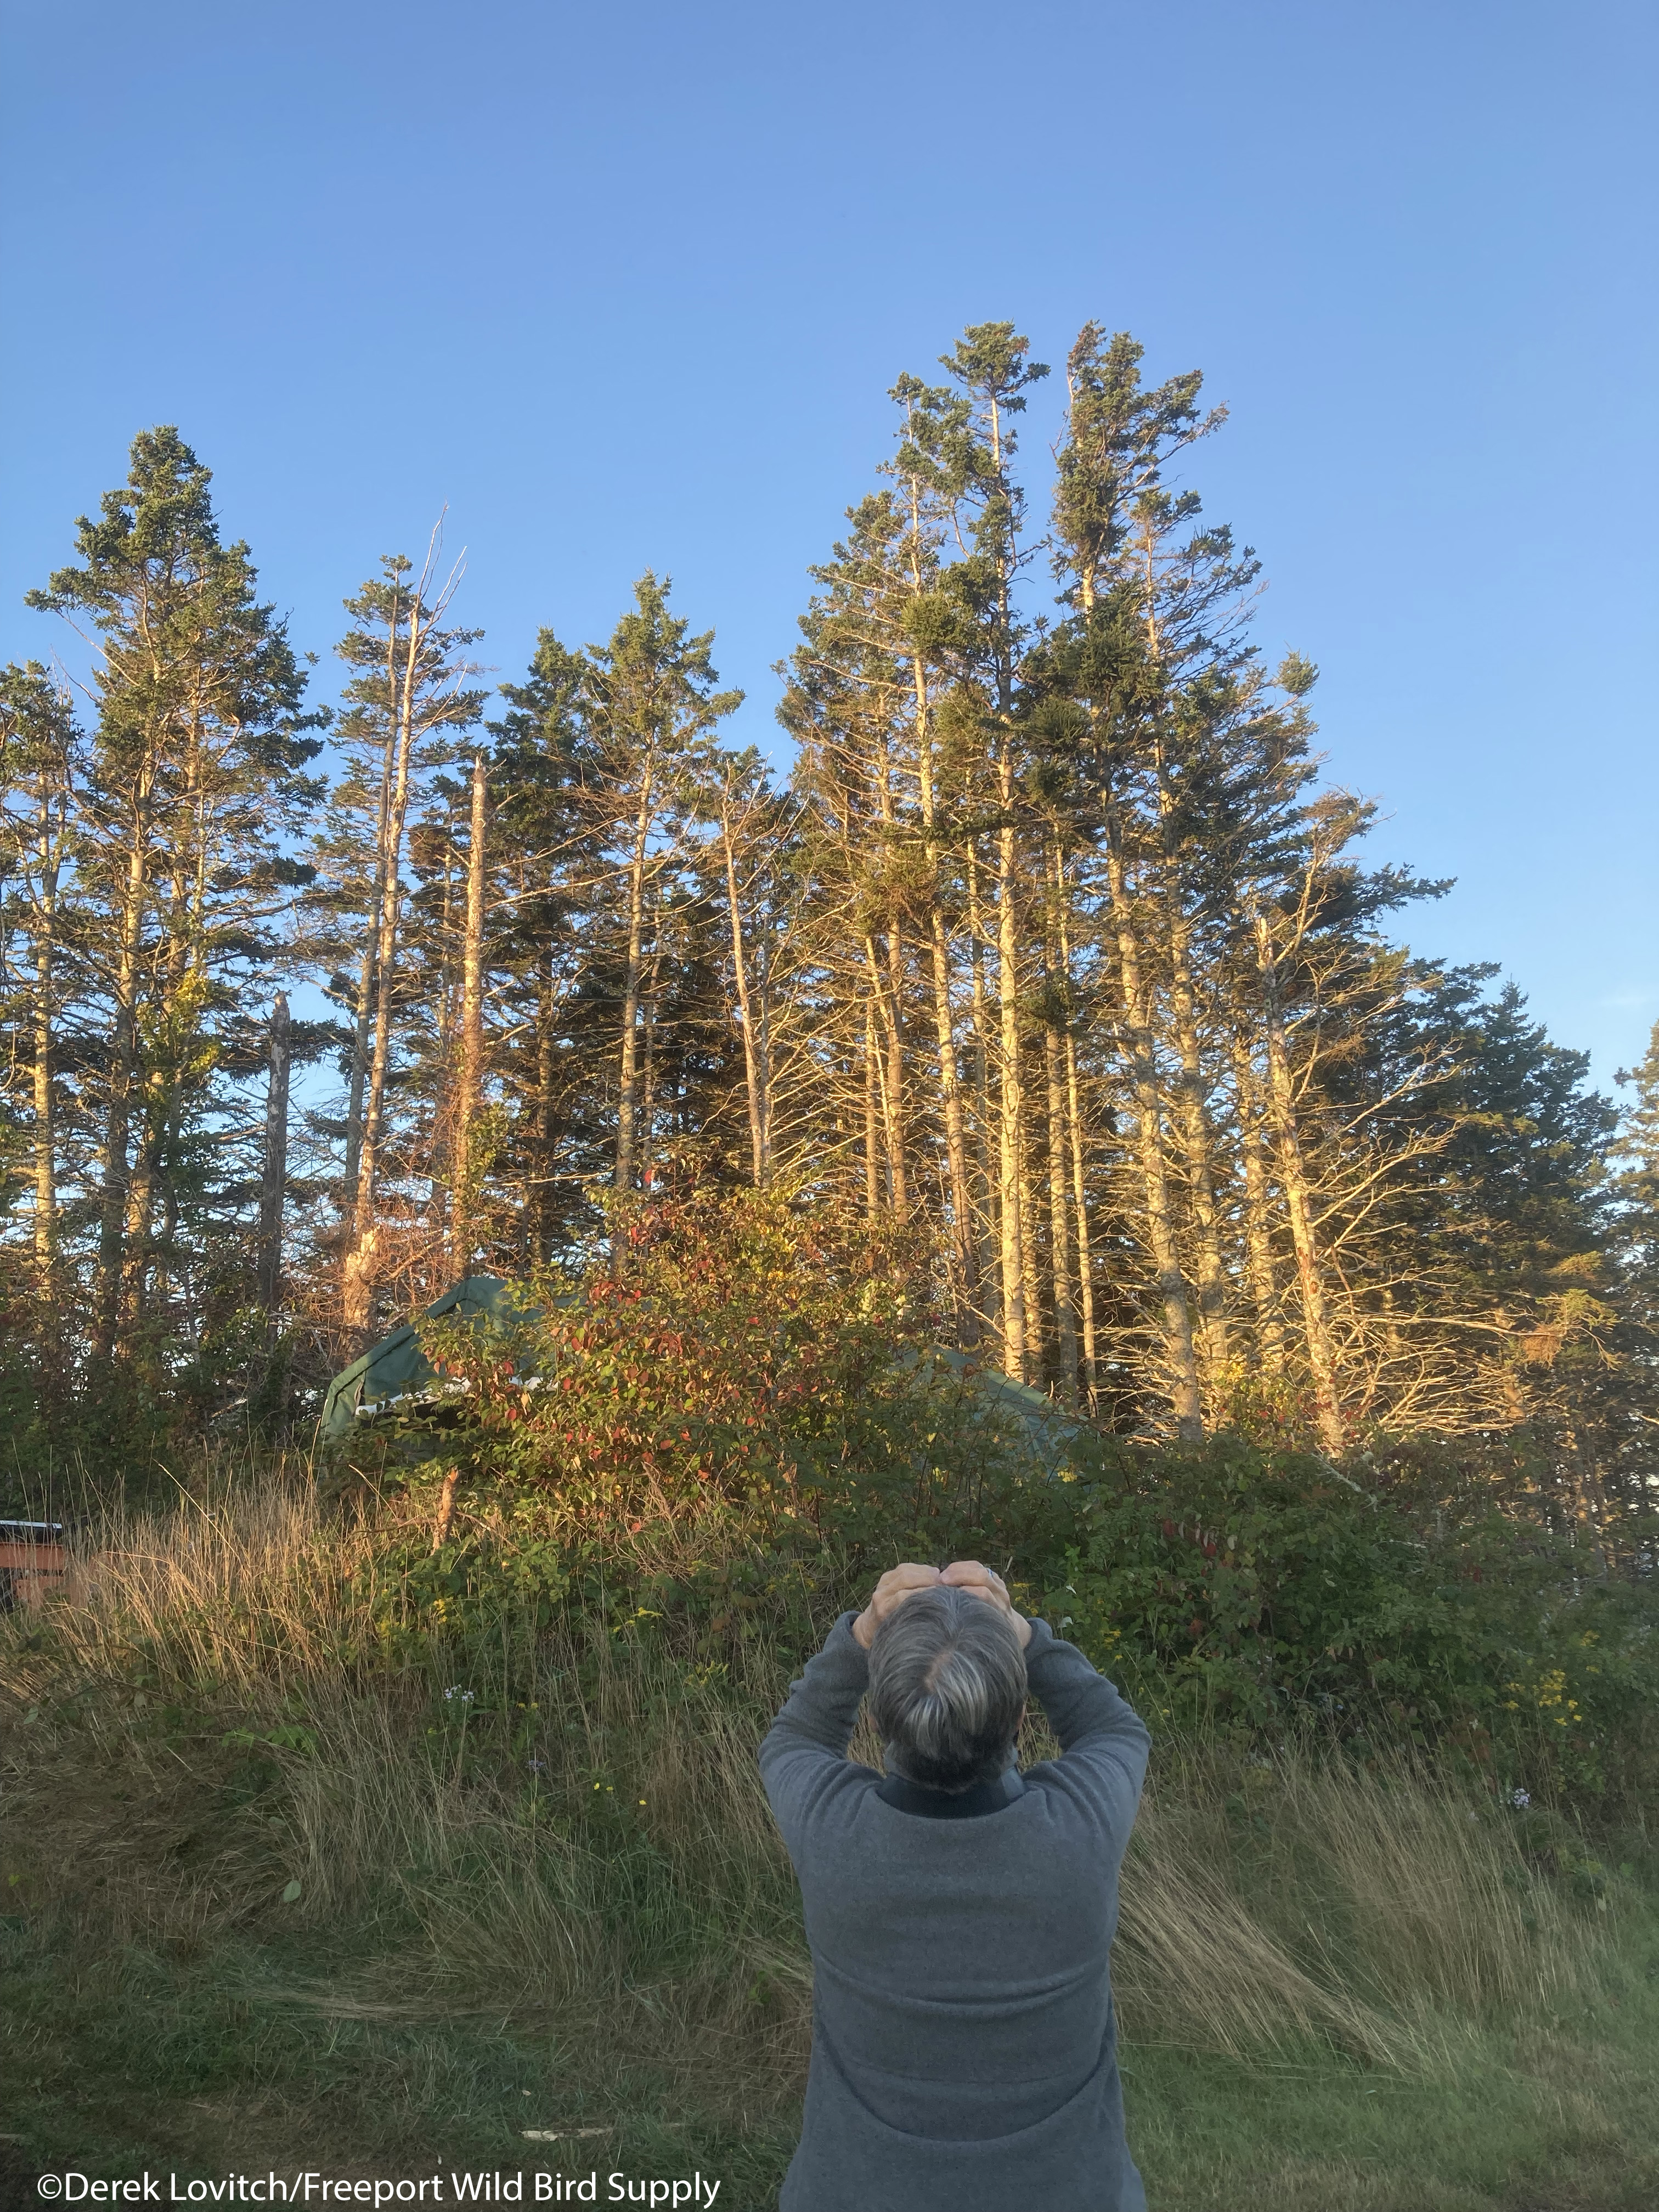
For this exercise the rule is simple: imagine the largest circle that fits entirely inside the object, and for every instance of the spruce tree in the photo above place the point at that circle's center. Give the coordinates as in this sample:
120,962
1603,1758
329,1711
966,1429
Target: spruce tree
195,780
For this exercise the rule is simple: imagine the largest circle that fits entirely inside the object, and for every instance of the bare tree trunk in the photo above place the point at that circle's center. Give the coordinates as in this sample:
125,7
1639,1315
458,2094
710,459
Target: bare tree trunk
755,1071
468,1175
1085,1272
1293,1180
359,1274
1199,1143
122,1074
1010,1101
1059,1237
273,1184
980,1017
964,1226
895,1024
889,1075
45,1119
964,1232
1164,1252
1085,1260
546,1109
360,1032
1258,1235
627,1102
871,1153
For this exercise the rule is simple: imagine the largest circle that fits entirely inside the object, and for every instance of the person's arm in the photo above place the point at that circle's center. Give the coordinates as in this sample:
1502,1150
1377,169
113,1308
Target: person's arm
1104,1742
804,1753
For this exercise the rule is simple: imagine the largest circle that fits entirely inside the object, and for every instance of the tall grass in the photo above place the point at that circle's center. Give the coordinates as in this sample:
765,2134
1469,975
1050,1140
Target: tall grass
570,1827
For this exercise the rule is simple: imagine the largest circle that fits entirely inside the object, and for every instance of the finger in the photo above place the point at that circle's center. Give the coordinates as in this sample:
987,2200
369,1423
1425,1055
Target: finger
909,1575
991,1593
962,1574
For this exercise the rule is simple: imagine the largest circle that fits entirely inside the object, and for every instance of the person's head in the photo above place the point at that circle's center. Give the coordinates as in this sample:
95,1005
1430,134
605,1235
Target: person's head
947,1687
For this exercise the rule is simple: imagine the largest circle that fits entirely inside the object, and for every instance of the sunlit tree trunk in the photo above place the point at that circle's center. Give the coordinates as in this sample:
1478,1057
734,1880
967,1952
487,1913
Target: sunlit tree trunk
1198,1143
626,1099
273,1181
979,1014
1298,1200
1083,1242
1059,1225
1258,1228
360,1271
755,1071
872,1149
123,1076
468,1169
1180,1357
1011,1102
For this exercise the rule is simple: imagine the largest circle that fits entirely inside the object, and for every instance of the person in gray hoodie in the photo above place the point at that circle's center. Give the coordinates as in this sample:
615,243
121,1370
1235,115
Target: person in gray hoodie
960,1913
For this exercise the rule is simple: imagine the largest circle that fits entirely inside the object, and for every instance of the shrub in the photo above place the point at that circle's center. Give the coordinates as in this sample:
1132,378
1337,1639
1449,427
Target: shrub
1256,1589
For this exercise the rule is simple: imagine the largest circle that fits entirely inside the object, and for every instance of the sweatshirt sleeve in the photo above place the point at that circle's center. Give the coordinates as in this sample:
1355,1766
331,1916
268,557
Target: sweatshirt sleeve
1103,1742
802,1755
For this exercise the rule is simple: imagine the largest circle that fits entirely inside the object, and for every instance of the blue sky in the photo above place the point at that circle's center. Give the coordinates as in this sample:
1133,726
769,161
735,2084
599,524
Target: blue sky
626,287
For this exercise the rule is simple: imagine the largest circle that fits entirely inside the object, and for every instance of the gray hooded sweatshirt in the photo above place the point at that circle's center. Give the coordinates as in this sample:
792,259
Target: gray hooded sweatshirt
964,2044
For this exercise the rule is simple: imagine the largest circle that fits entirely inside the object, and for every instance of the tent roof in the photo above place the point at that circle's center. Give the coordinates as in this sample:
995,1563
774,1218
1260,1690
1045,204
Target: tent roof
396,1367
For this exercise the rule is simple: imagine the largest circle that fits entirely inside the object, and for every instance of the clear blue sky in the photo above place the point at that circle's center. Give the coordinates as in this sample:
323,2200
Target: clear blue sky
626,286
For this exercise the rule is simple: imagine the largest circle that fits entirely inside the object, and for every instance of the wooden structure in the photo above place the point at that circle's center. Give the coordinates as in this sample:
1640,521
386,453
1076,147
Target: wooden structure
34,1562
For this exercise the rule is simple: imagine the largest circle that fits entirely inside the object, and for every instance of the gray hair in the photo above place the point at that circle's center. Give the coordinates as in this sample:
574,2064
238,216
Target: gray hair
947,1686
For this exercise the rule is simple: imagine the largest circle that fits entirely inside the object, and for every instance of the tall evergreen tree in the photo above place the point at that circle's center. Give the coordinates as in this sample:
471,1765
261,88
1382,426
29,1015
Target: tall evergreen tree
195,779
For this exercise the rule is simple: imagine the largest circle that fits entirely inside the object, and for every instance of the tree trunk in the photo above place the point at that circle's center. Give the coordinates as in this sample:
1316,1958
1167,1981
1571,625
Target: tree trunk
1258,1233
1293,1180
1178,1351
1198,1142
1010,1178
360,1265
627,1102
546,1111
895,1023
273,1183
755,1073
468,1172
1060,1241
963,1228
888,1060
122,1074
45,1119
871,1152
359,1034
1085,1272
985,1211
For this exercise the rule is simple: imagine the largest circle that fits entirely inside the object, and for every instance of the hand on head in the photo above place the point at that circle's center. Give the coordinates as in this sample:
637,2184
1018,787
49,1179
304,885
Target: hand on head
986,1582
901,1582
894,1586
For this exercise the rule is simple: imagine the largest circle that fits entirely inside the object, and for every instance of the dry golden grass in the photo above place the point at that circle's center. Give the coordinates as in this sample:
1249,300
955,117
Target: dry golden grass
632,1885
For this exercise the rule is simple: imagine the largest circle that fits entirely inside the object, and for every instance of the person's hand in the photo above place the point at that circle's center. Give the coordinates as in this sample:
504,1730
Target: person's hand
894,1586
983,1582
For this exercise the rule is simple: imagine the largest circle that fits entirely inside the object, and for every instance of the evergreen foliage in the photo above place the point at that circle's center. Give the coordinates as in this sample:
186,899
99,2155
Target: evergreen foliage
1055,964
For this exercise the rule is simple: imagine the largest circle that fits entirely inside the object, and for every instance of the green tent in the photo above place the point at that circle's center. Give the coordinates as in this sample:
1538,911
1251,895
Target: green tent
397,1374
395,1369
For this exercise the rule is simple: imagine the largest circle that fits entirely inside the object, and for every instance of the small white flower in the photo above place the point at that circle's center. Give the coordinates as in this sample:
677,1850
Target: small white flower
457,1695
1520,1799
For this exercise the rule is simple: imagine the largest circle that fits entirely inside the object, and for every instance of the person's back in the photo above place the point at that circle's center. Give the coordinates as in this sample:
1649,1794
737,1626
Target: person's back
960,1917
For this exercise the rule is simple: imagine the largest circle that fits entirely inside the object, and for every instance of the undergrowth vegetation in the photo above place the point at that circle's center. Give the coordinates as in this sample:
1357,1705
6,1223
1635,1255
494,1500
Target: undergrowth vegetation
401,1810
